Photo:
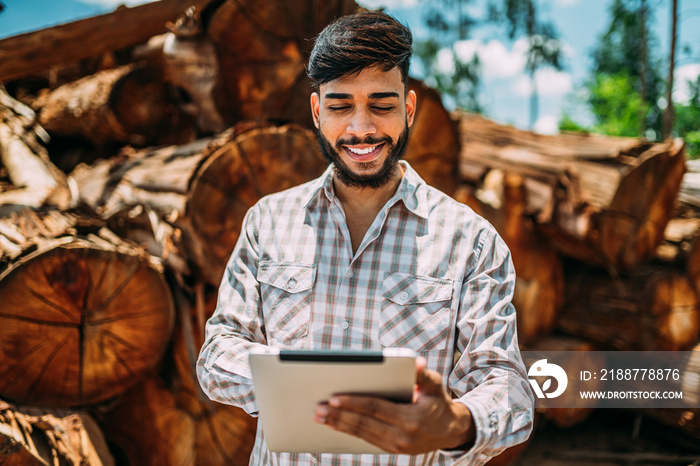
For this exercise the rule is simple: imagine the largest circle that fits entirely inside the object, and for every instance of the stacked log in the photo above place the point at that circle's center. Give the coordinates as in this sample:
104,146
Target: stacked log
29,437
205,187
83,316
598,199
104,308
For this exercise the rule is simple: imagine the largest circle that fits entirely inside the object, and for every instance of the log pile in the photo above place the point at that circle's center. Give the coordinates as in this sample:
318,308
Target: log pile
109,267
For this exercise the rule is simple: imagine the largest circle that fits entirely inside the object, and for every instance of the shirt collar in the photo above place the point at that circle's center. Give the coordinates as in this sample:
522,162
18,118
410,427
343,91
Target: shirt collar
412,190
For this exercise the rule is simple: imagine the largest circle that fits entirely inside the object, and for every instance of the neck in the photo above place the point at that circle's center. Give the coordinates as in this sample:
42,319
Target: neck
367,200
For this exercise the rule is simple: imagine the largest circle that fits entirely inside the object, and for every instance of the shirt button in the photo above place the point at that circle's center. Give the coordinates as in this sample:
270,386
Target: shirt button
404,295
349,274
291,284
344,325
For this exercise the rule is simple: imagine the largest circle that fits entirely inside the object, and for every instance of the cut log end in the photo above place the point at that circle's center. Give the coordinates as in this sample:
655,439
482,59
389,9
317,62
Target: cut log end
79,325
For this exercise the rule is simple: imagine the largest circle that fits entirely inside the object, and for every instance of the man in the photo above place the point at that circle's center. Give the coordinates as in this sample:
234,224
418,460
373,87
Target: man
369,256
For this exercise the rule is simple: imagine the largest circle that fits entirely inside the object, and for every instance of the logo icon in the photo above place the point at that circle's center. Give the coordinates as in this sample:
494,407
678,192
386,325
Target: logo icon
542,368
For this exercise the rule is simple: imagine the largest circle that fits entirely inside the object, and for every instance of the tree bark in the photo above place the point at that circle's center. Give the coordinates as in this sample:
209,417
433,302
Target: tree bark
598,199
36,180
205,188
433,146
35,53
539,283
581,359
131,104
262,59
83,317
653,309
31,436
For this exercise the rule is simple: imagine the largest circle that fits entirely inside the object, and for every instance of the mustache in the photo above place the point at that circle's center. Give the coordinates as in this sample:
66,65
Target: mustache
369,140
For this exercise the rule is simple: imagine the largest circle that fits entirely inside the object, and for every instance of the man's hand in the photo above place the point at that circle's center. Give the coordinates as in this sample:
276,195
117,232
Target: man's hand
432,422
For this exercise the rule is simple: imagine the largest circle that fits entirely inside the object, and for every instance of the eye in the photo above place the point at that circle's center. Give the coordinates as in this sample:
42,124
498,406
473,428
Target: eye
383,108
338,108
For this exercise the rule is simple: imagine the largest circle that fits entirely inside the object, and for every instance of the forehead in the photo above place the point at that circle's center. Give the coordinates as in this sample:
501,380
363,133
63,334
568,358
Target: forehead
368,81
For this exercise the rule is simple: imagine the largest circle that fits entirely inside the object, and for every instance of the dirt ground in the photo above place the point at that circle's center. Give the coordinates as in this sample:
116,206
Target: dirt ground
610,438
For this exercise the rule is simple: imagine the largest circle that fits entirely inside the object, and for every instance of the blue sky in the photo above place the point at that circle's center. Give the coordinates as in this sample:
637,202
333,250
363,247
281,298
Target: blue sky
505,86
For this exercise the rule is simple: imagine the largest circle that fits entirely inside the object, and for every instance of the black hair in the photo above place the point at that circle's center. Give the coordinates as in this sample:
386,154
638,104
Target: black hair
352,43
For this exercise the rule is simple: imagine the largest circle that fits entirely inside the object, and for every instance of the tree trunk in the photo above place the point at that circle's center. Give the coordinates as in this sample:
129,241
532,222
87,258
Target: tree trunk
262,59
35,53
30,436
685,420
433,146
654,309
581,359
131,104
149,428
539,283
36,180
83,317
205,188
598,199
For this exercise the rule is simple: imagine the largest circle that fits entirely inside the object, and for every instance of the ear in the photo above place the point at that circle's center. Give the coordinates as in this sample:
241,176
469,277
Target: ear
410,107
315,108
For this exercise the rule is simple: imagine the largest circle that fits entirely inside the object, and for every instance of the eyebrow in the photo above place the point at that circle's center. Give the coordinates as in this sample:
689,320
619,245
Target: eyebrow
374,95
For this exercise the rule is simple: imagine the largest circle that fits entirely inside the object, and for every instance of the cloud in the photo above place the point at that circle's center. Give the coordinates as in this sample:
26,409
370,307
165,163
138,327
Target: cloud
547,124
550,82
683,74
115,3
389,4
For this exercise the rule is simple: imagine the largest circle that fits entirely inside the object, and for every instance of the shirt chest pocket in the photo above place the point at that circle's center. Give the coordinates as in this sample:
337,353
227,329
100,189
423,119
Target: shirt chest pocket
416,312
285,292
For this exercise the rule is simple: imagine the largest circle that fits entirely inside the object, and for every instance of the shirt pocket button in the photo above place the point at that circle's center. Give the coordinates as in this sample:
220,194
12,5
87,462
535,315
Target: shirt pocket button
291,284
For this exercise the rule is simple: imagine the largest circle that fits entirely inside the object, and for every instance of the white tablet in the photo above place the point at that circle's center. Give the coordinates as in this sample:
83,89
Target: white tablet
288,386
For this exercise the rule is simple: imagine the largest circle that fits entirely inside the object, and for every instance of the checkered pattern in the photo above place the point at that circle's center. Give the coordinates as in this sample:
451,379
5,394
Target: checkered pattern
429,275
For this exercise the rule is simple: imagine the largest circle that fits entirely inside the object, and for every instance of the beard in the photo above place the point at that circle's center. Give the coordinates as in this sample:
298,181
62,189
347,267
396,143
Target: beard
352,179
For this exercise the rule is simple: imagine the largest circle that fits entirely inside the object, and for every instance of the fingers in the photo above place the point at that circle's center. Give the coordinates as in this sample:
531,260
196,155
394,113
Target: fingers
430,383
372,428
378,408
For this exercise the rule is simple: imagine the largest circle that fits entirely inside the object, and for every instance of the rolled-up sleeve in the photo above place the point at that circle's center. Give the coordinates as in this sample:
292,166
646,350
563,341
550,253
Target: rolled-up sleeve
489,377
235,327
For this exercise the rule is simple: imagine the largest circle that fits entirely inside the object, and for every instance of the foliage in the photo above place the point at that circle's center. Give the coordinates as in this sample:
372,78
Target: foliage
449,23
617,106
688,120
626,83
544,45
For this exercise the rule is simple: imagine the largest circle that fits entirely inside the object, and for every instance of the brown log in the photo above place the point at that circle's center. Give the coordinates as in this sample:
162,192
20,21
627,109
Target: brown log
433,147
30,436
262,59
600,200
225,434
131,104
36,181
686,421
539,283
148,428
173,422
83,317
205,188
583,359
35,53
653,309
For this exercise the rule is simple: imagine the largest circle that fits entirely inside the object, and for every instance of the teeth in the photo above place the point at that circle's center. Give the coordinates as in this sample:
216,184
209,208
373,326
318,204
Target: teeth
361,151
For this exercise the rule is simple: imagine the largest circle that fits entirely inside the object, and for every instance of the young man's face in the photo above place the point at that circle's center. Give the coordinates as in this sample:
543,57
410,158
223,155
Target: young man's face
363,125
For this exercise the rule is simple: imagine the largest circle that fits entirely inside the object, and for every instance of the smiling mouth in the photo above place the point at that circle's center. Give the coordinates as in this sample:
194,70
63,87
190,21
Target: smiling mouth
363,153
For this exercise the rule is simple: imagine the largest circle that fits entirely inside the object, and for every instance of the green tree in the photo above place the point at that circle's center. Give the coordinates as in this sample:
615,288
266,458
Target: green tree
544,44
449,23
626,74
687,121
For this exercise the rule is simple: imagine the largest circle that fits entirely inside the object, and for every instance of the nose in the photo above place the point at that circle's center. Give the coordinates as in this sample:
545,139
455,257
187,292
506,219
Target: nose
361,124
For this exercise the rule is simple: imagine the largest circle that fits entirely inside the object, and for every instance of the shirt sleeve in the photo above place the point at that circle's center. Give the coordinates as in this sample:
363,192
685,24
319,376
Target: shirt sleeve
489,376
235,327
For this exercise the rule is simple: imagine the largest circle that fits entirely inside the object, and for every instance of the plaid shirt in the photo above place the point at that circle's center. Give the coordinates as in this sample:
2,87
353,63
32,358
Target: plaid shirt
429,275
